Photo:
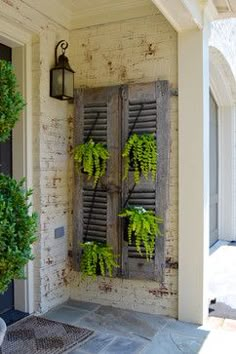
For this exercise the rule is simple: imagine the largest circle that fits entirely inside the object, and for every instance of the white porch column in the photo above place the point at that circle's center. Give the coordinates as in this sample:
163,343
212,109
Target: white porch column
193,174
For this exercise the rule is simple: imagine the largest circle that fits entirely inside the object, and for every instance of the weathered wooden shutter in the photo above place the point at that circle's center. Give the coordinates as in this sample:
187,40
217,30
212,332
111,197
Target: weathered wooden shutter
145,109
95,211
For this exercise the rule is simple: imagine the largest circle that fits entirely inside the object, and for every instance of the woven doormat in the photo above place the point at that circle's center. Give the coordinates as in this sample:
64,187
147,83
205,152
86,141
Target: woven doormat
42,336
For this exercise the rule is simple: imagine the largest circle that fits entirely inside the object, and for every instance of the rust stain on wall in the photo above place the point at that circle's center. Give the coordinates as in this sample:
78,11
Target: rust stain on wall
171,264
161,291
105,287
151,51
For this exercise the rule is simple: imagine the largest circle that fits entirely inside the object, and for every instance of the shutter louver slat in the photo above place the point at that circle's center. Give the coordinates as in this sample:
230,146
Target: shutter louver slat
95,122
94,207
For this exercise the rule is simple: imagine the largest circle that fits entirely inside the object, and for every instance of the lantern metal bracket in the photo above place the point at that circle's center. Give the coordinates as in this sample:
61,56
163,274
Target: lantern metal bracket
64,45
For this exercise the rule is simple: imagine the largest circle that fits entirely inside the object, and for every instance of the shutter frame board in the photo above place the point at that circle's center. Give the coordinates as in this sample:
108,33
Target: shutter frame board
163,171
159,93
88,102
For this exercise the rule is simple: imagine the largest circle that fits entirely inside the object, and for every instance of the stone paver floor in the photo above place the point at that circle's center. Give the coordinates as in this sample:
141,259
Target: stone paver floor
118,331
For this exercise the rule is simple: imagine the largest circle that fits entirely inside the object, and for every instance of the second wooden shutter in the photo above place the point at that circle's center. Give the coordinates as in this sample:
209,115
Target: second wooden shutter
145,110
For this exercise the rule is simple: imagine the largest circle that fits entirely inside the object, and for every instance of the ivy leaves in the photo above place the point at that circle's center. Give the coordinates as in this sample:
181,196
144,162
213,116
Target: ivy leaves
11,101
92,158
17,230
143,226
97,258
140,152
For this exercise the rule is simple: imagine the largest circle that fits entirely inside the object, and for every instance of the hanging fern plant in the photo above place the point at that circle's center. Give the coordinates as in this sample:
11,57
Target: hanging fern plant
92,158
97,258
11,101
143,227
140,153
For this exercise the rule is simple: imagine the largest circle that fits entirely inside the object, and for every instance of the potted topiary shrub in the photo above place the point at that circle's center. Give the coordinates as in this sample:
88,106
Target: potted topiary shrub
143,228
11,101
97,258
140,153
17,230
91,157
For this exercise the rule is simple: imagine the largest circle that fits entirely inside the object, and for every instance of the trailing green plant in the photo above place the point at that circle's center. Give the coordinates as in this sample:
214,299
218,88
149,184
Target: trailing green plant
92,158
140,152
143,226
17,230
11,101
97,258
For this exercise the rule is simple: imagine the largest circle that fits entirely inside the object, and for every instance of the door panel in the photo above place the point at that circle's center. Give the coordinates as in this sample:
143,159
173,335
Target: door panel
7,299
213,171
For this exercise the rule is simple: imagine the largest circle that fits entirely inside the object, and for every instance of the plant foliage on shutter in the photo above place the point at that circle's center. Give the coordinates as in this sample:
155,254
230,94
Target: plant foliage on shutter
145,110
96,209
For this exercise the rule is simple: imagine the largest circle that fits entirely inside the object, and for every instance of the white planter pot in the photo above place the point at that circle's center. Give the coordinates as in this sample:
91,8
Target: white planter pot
3,329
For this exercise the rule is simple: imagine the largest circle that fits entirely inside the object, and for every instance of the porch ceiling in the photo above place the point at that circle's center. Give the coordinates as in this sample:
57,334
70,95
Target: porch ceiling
86,13
183,14
74,14
226,8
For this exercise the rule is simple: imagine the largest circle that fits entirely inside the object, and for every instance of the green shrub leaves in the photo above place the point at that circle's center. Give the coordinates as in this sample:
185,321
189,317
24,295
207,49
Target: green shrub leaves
11,101
17,230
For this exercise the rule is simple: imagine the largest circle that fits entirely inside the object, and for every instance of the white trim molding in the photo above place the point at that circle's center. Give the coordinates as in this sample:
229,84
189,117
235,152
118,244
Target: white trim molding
222,83
185,15
193,65
20,42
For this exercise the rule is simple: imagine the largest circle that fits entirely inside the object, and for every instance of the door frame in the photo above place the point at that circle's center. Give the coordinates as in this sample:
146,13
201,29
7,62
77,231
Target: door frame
221,83
20,42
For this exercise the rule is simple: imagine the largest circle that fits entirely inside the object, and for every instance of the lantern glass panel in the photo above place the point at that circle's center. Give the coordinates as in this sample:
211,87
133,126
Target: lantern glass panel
69,83
57,80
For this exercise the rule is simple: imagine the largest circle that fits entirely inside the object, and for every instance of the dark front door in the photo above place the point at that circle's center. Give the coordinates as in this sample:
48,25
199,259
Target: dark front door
7,299
213,171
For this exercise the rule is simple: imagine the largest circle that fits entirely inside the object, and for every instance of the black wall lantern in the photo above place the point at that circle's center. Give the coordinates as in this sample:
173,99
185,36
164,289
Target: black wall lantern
62,76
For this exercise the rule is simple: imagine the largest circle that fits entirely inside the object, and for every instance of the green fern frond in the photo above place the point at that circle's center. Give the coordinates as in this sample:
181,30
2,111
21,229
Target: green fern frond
92,158
97,257
143,225
140,152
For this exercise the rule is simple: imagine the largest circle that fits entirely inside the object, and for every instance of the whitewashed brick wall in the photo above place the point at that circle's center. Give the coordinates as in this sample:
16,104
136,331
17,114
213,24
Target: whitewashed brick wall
50,171
137,50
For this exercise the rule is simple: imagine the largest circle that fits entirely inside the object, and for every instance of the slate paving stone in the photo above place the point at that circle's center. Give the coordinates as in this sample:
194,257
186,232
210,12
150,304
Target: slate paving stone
94,321
157,322
138,324
187,329
97,343
66,314
123,346
89,306
173,343
77,351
